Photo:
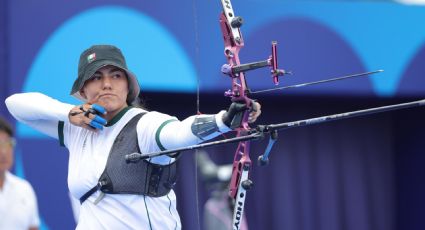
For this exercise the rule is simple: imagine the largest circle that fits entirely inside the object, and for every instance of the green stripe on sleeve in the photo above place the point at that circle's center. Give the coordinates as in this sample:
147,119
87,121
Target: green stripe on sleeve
60,133
158,132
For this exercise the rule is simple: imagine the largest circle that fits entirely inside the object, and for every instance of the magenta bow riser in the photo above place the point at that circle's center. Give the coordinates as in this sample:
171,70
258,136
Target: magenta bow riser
233,42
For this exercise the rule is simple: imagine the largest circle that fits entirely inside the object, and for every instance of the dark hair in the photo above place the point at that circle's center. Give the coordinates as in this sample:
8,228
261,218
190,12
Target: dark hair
138,102
6,127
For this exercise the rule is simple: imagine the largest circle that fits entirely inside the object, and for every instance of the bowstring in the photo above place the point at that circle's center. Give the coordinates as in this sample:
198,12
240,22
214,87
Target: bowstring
197,70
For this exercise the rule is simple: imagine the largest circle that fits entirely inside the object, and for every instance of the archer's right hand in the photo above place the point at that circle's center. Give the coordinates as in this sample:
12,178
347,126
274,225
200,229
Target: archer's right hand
88,116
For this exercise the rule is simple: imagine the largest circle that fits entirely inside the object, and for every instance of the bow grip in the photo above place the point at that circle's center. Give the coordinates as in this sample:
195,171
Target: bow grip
237,120
239,115
234,115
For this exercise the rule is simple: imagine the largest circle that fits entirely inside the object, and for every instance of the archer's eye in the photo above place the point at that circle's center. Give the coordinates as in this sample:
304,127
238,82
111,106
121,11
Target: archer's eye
96,78
118,75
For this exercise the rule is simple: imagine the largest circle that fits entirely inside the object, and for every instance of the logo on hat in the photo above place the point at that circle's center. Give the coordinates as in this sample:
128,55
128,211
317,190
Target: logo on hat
91,57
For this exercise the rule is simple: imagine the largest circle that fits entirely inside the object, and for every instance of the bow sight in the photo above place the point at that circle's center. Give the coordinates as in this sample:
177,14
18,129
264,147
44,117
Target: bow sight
233,71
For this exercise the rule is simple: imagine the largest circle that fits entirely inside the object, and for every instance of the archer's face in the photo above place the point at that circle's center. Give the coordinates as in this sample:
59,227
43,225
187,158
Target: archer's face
108,87
6,151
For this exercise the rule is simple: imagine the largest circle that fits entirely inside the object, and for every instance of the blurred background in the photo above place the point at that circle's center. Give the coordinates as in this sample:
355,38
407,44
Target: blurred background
364,173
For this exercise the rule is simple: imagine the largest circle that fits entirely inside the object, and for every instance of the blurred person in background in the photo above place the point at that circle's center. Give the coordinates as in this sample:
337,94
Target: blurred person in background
218,210
18,203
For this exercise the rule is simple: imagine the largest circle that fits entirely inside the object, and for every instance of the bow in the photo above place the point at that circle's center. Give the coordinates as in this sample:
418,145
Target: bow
239,92
233,43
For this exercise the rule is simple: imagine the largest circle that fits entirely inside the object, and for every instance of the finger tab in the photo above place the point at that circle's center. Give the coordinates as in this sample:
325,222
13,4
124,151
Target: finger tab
98,108
100,120
96,125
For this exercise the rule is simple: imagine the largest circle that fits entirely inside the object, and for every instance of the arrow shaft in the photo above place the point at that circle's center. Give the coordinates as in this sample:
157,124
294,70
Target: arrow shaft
319,82
339,116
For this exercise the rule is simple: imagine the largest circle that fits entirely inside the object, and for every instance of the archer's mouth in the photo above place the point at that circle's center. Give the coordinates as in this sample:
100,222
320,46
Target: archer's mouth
107,95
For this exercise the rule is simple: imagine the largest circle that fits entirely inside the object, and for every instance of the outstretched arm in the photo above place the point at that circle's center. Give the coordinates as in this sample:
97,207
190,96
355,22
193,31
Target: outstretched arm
199,128
38,111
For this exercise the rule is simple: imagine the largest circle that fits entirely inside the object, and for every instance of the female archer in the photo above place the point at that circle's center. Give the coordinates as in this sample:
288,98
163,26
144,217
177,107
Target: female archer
107,126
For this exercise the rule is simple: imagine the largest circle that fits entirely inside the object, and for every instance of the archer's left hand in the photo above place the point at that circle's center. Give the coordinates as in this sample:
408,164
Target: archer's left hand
255,112
236,108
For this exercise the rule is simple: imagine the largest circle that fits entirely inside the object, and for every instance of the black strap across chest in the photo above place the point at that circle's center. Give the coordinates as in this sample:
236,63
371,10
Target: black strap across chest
143,177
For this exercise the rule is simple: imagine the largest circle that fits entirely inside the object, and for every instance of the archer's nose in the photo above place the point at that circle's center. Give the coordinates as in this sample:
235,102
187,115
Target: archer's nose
107,84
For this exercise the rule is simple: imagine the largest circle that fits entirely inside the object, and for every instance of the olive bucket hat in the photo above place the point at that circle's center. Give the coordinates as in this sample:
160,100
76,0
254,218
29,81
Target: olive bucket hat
97,57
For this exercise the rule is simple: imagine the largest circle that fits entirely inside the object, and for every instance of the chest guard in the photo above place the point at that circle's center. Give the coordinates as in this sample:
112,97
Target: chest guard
143,177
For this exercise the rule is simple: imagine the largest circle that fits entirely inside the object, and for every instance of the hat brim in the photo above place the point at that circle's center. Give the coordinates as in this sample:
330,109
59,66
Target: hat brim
133,84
